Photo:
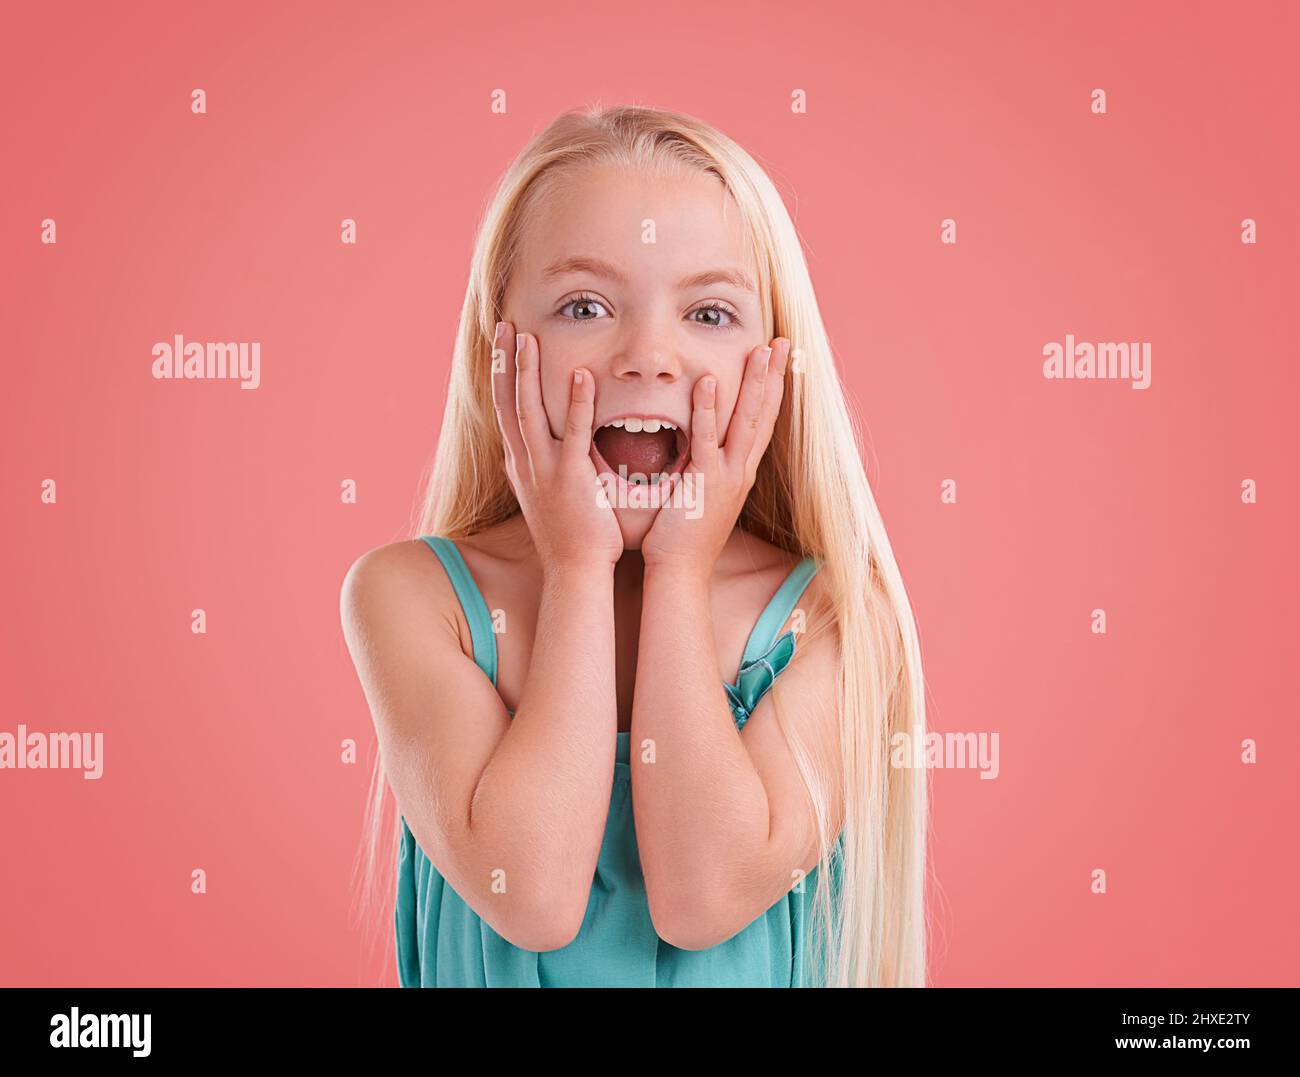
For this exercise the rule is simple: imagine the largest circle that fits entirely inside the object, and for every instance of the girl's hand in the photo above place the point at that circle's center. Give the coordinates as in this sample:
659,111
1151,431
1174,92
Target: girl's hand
571,524
717,480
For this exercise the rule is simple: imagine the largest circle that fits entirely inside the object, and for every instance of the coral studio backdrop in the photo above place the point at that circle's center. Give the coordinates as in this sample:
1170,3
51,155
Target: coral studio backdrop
976,185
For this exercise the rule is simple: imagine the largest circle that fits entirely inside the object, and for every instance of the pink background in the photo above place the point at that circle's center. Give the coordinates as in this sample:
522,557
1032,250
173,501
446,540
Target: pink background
222,751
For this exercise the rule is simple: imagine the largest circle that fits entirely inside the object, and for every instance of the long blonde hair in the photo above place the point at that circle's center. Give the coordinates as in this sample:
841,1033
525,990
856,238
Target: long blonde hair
811,496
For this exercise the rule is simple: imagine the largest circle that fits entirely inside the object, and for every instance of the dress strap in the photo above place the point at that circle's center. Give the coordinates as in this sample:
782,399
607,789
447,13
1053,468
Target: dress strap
763,637
473,604
766,654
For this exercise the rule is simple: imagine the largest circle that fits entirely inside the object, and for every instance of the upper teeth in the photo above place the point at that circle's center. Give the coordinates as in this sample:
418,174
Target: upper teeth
636,426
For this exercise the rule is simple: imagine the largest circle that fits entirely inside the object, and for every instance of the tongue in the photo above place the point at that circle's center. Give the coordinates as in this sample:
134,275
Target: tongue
646,454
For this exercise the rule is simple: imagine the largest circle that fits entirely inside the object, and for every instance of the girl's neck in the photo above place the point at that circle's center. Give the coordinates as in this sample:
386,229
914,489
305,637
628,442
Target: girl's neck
511,541
629,573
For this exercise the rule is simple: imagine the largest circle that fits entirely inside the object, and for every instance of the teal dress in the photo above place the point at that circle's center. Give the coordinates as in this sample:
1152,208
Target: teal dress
442,941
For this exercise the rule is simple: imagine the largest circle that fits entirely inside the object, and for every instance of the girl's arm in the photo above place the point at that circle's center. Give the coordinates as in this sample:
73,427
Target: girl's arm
723,820
724,823
510,811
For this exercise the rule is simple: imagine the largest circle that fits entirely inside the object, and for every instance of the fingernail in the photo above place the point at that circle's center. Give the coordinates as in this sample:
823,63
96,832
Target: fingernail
785,355
765,355
496,333
519,344
577,377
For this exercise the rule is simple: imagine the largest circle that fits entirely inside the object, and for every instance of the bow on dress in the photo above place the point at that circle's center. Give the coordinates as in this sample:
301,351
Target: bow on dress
756,676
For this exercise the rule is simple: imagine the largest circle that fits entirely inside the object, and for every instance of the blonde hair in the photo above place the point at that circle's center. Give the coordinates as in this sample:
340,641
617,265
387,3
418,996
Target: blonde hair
811,496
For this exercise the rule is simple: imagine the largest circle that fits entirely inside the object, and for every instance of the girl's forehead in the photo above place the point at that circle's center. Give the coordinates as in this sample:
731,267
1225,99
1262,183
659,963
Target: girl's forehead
617,215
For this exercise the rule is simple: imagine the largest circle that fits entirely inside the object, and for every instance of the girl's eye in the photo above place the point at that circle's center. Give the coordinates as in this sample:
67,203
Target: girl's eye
586,308
716,312
583,305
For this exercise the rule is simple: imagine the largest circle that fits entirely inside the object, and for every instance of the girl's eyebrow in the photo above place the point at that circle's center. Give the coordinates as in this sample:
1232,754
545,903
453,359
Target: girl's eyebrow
600,268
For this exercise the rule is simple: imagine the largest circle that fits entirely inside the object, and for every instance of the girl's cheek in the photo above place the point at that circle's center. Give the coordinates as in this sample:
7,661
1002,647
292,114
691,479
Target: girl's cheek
725,406
554,403
555,397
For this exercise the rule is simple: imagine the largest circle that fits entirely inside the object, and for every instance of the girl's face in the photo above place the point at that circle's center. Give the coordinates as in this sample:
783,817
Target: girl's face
647,283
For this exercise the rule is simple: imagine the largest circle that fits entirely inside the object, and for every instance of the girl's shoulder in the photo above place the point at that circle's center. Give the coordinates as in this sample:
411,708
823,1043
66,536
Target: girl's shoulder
400,606
491,553
753,570
398,587
746,556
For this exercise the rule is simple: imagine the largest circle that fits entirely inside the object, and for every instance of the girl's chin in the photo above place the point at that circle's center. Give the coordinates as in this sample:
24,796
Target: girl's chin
635,524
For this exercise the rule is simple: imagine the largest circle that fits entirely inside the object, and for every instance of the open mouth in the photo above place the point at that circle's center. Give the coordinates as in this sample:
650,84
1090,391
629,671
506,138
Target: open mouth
641,450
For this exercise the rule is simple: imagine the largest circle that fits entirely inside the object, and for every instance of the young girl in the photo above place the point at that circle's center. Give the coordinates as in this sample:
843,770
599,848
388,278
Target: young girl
636,678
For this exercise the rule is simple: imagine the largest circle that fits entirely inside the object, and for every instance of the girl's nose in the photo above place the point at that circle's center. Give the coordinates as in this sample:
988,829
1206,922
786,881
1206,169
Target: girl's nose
647,357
